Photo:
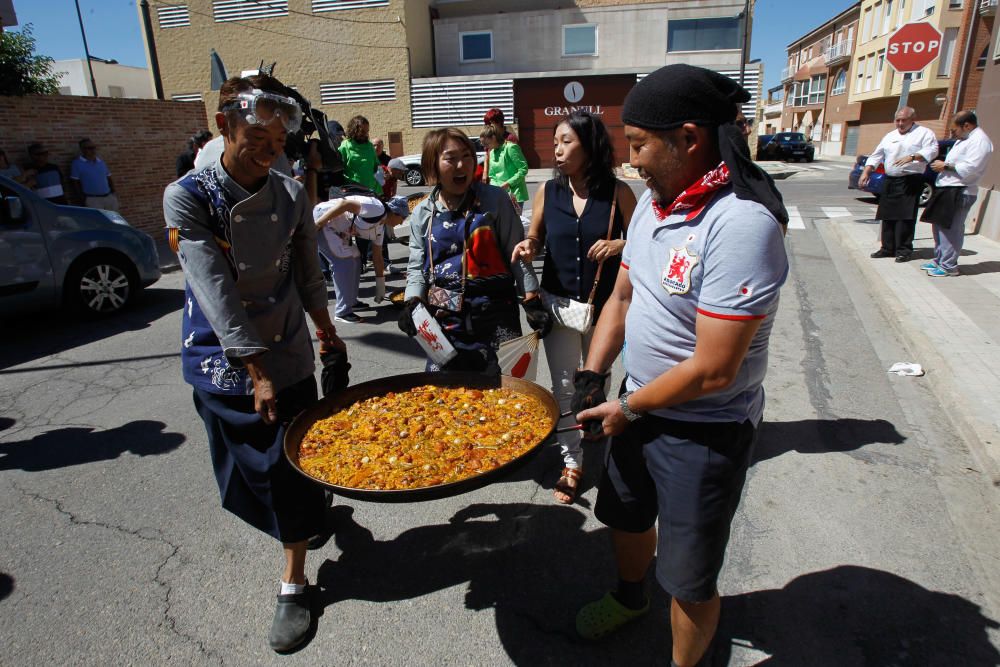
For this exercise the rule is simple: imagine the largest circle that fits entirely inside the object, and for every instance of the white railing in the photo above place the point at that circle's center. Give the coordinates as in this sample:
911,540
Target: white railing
987,7
773,108
787,73
843,49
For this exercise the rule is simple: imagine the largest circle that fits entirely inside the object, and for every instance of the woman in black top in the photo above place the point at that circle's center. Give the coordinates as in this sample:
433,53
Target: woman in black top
570,218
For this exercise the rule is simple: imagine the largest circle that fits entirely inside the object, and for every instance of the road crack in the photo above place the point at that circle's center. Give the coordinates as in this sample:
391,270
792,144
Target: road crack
169,620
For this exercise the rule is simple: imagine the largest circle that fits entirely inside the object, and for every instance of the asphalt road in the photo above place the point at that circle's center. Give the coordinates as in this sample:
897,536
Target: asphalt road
860,540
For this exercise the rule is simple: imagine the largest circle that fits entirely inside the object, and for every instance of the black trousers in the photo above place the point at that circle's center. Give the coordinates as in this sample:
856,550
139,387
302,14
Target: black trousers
897,236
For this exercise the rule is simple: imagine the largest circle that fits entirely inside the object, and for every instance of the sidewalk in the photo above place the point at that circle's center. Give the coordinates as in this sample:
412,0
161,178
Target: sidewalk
950,325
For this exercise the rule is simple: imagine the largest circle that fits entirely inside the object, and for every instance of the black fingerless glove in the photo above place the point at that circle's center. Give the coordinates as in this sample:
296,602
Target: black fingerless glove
405,321
538,316
588,391
334,377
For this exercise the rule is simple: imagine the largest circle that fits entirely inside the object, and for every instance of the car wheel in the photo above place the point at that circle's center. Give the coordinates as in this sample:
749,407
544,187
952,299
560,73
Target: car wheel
101,285
413,177
925,194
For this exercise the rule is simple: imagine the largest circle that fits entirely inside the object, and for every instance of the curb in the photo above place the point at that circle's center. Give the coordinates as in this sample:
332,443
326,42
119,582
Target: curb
945,389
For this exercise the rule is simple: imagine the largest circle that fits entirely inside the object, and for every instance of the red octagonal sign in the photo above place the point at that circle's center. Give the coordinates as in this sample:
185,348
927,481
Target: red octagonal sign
913,47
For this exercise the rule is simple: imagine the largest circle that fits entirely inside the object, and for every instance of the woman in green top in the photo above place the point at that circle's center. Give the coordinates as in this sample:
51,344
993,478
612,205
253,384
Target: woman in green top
360,161
507,166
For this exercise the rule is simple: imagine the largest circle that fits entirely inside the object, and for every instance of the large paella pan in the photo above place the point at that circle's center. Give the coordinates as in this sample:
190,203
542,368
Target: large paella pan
481,395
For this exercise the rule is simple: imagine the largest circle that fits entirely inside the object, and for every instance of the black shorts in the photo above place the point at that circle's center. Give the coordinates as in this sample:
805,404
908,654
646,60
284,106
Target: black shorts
690,475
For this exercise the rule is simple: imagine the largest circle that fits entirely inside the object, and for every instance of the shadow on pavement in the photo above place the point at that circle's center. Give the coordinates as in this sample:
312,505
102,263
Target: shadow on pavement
978,269
533,565
396,342
852,615
71,446
820,436
6,585
38,335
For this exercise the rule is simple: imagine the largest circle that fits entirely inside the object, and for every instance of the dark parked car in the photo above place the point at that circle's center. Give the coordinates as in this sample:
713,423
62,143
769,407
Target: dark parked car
876,180
787,146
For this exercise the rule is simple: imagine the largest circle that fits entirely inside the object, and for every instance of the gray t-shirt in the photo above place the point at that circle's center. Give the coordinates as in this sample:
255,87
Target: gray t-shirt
727,261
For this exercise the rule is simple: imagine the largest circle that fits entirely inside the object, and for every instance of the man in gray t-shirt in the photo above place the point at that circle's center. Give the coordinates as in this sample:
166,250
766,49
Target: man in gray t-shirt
693,306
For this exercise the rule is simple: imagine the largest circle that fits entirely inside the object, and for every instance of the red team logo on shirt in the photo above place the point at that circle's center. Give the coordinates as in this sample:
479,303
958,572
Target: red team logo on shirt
676,278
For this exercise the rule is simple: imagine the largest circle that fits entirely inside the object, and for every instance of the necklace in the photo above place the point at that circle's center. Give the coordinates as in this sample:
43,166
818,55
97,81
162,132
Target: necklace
455,205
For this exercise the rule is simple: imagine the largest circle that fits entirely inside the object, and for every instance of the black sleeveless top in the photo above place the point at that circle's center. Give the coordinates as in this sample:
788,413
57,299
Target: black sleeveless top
567,271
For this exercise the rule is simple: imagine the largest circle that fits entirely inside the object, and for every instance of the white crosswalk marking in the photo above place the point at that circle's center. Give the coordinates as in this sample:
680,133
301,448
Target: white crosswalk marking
794,219
820,167
836,212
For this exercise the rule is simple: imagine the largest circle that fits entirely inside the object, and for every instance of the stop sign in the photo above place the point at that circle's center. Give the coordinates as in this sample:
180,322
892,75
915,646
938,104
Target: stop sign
913,47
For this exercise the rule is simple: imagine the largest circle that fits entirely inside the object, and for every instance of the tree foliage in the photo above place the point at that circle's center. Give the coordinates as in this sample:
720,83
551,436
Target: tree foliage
22,72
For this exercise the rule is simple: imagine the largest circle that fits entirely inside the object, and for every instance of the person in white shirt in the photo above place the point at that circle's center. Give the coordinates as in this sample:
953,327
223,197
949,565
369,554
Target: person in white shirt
360,216
905,152
955,192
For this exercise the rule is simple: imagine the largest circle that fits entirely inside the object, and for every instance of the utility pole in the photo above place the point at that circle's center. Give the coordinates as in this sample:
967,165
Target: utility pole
743,48
154,62
86,49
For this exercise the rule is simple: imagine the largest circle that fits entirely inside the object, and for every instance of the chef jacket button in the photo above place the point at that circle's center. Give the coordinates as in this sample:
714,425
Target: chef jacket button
277,338
238,218
274,217
272,299
243,267
277,262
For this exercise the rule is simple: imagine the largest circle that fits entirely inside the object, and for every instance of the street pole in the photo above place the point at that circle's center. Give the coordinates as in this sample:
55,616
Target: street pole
154,63
904,96
743,49
86,49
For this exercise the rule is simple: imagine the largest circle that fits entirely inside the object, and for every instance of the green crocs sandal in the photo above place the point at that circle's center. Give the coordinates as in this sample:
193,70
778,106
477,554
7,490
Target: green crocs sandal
603,617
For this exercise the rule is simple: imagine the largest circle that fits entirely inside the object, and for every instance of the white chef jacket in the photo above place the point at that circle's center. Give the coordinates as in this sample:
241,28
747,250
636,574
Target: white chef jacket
968,159
337,233
896,145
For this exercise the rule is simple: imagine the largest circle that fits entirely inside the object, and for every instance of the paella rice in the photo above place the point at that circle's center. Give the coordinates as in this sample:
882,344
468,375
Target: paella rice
426,436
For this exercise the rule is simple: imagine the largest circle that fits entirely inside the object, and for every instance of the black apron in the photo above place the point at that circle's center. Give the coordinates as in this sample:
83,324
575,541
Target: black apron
900,197
941,207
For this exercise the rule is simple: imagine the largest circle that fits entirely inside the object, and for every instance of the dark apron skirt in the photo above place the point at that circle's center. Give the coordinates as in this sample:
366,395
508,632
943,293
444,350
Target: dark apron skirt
942,205
256,481
900,197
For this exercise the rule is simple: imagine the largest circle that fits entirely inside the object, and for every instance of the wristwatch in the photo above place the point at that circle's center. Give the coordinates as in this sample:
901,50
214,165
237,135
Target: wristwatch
623,402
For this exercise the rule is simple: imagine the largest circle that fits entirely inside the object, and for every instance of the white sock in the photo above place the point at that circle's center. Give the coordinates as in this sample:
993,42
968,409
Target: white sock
293,589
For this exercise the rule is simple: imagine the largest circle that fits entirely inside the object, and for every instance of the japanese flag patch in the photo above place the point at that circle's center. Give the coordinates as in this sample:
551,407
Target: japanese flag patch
676,277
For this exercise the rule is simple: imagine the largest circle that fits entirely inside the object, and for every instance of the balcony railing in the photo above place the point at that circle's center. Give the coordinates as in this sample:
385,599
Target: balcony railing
774,108
842,50
787,74
987,7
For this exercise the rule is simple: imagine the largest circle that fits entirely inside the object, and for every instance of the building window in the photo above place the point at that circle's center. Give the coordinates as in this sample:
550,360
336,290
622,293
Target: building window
244,10
340,5
955,4
901,14
579,40
186,97
446,103
887,20
357,92
65,90
866,26
840,83
714,34
876,19
947,52
869,71
981,63
879,69
860,69
929,7
476,46
116,91
817,89
176,16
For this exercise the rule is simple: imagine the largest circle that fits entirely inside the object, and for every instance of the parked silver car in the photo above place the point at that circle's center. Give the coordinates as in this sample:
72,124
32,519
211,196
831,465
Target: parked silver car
86,259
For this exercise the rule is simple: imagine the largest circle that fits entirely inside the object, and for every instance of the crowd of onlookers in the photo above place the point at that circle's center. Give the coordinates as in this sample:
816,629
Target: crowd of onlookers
89,183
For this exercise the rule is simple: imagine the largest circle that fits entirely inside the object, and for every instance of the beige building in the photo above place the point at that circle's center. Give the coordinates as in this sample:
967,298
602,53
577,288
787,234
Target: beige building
878,87
413,65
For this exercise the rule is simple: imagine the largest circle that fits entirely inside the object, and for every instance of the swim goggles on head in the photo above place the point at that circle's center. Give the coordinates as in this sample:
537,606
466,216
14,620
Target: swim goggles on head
260,108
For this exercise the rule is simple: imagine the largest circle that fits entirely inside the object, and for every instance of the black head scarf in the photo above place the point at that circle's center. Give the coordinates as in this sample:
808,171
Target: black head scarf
677,94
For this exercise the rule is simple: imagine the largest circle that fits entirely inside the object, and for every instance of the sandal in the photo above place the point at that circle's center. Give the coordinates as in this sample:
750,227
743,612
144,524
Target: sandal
569,480
603,617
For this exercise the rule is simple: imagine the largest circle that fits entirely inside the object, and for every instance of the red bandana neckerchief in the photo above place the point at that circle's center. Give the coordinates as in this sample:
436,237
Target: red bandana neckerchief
696,196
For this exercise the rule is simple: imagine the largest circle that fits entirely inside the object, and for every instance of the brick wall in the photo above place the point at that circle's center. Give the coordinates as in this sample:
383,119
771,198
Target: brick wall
877,118
138,139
